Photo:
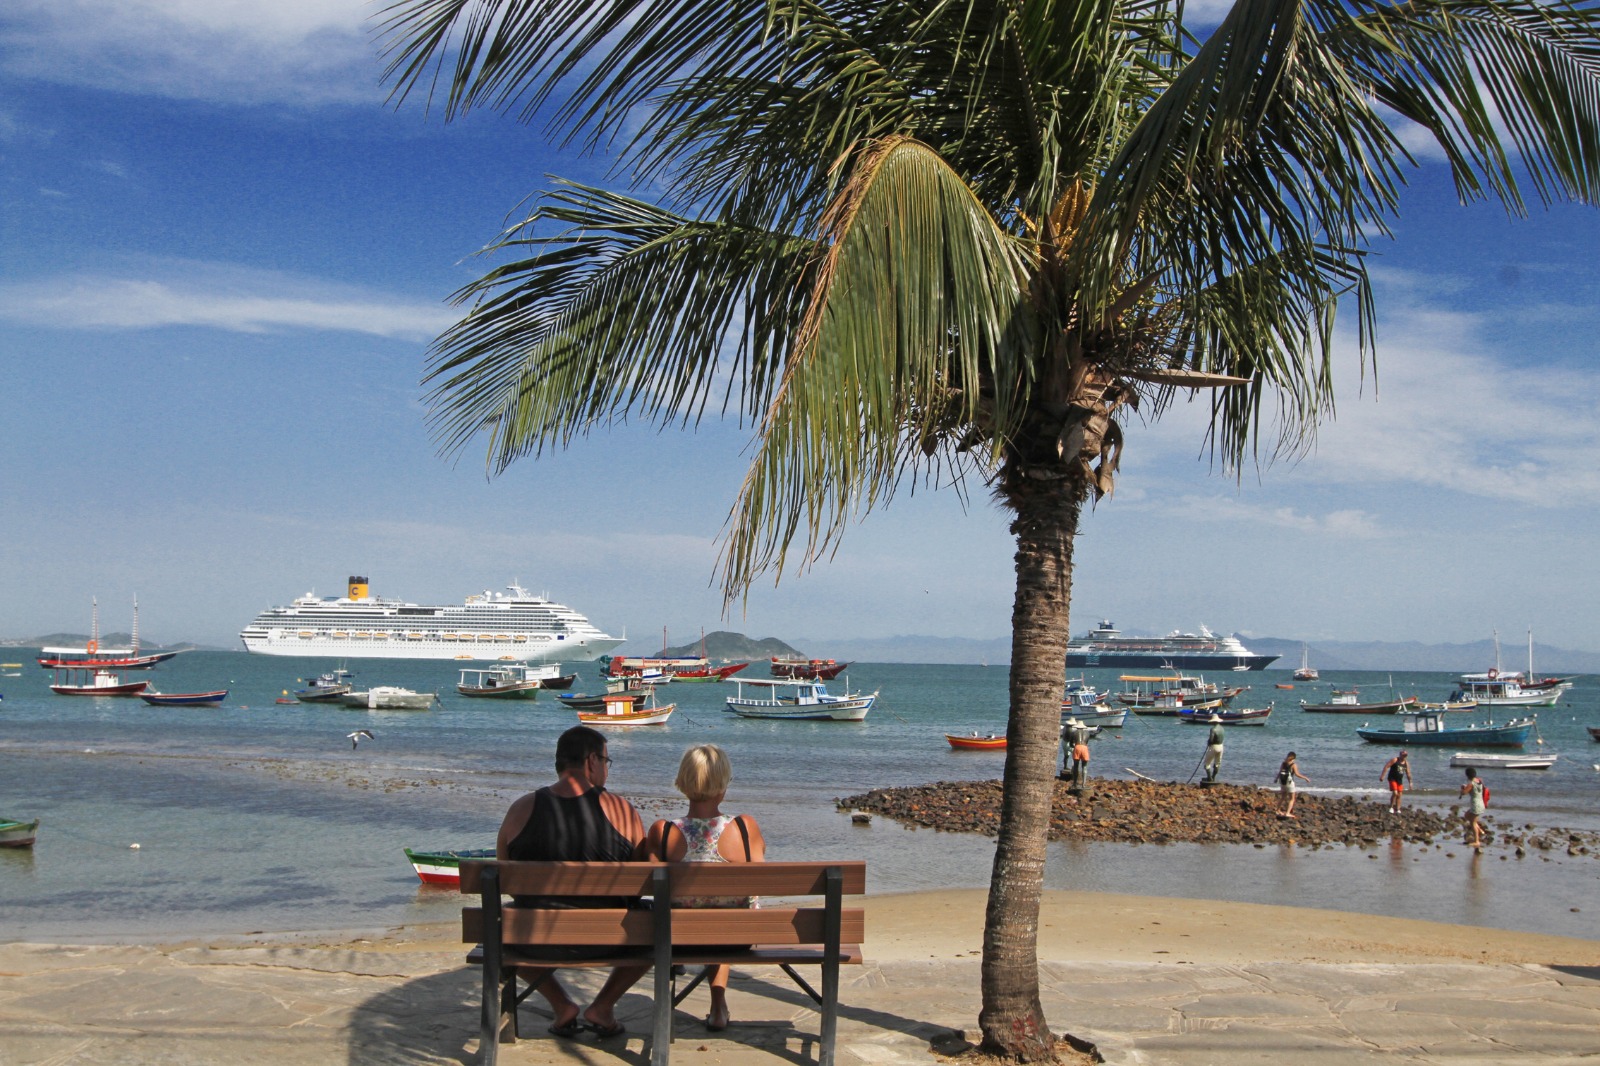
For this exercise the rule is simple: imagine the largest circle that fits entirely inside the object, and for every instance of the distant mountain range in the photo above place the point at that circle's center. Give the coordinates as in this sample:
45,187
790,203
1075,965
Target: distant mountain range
107,640
733,646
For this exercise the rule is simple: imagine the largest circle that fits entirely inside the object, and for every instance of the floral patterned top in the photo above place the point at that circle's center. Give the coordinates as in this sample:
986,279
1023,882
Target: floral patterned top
702,835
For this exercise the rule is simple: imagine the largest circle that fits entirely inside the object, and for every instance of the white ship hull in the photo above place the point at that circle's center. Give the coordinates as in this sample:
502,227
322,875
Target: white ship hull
513,627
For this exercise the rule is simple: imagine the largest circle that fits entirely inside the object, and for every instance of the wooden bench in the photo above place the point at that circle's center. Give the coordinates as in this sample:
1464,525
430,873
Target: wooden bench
663,937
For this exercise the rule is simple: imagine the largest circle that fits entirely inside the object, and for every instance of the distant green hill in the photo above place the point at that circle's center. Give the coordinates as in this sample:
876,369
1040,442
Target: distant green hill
734,646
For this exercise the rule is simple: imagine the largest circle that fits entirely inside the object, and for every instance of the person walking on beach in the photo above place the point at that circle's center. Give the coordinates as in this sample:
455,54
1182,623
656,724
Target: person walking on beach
577,820
1474,788
1212,760
702,836
1286,786
1397,772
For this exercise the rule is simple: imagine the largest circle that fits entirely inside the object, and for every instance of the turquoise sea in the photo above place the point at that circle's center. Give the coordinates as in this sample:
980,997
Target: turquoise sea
258,817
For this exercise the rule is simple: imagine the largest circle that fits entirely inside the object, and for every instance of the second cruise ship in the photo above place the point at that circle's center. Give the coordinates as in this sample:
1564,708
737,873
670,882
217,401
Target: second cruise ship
1104,645
514,625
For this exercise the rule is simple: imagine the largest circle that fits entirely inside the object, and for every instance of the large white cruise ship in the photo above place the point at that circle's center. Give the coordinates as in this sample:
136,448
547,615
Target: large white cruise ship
1105,646
514,625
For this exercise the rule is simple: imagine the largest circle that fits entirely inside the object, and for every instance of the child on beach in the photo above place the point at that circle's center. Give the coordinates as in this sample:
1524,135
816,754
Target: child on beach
1286,786
701,836
1474,787
1397,771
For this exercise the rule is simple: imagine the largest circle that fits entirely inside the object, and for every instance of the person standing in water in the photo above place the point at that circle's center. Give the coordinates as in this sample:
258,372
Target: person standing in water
1474,788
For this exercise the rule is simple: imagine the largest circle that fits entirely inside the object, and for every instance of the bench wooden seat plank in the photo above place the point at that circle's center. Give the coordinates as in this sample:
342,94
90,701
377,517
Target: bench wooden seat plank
662,936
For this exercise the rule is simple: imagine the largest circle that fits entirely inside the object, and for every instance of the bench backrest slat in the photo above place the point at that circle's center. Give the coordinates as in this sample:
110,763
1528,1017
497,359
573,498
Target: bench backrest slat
690,926
689,879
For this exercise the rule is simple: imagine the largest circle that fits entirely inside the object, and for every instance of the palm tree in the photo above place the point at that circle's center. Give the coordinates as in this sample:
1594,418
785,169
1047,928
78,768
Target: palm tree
956,242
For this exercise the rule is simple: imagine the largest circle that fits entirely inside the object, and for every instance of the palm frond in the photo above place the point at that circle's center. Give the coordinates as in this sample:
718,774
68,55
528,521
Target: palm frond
916,308
629,308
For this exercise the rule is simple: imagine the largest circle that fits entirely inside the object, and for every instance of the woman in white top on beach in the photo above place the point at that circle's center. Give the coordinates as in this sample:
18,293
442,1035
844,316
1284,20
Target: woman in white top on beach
703,778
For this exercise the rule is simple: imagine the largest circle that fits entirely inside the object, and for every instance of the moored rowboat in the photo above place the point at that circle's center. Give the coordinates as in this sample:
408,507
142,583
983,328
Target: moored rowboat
14,834
976,743
443,867
1501,761
185,699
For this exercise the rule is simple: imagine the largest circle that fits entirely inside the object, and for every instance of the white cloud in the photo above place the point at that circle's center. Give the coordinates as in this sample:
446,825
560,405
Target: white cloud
218,296
1345,524
1446,410
295,51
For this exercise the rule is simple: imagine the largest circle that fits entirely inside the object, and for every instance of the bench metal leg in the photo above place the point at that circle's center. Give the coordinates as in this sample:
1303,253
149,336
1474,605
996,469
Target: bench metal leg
831,922
661,914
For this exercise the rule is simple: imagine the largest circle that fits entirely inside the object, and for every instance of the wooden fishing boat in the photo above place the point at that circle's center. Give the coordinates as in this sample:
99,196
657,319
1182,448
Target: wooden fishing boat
1227,716
1348,701
1170,706
330,687
1173,691
626,709
974,742
1110,717
1429,727
78,681
14,834
797,699
1594,732
708,673
443,867
499,683
807,669
1500,761
94,657
185,699
389,698
1449,705
558,682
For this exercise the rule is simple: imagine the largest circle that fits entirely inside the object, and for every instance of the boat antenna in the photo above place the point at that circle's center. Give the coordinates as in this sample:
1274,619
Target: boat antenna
135,624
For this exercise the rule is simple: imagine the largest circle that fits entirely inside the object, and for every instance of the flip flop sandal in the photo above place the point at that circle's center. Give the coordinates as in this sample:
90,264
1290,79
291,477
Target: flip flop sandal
569,1031
606,1032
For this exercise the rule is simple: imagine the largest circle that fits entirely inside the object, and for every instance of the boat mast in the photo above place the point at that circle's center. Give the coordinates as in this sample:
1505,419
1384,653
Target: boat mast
136,624
94,626
1530,655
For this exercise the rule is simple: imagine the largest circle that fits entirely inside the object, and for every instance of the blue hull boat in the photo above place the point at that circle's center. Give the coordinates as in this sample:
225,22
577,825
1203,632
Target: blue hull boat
1429,727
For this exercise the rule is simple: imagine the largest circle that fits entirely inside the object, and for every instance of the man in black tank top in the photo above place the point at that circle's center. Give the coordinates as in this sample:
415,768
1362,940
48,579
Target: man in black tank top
577,820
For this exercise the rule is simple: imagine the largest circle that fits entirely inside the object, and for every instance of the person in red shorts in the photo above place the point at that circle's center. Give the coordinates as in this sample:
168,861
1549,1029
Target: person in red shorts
1397,772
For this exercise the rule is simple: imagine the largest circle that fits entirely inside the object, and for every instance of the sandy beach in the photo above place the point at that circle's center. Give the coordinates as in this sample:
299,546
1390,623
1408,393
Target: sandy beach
1146,980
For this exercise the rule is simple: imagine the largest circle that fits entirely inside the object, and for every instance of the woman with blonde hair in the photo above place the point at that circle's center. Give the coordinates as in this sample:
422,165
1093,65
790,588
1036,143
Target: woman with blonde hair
701,836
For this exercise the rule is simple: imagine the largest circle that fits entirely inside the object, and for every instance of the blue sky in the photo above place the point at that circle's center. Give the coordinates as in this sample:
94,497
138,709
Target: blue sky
222,258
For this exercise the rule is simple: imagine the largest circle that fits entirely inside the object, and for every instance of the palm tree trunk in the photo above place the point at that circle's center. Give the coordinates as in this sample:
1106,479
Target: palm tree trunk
1046,521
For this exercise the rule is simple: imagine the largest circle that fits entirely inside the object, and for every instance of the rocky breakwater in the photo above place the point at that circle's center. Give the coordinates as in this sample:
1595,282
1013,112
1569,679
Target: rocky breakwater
1153,812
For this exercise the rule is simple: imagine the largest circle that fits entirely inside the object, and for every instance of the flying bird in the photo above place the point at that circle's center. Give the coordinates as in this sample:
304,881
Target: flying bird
355,738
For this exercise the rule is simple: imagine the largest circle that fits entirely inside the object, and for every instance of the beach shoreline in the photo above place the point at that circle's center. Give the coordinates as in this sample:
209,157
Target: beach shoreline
1151,980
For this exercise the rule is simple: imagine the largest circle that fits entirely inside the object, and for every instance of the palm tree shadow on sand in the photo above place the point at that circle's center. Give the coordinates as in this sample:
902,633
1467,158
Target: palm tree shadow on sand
434,1020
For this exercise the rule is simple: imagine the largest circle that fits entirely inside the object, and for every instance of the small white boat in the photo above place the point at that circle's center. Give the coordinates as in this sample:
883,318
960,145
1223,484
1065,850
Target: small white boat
1307,672
1484,761
798,699
389,698
1109,717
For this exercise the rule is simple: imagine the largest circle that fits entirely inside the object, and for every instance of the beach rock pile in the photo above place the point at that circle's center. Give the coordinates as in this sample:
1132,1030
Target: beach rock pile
1156,812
